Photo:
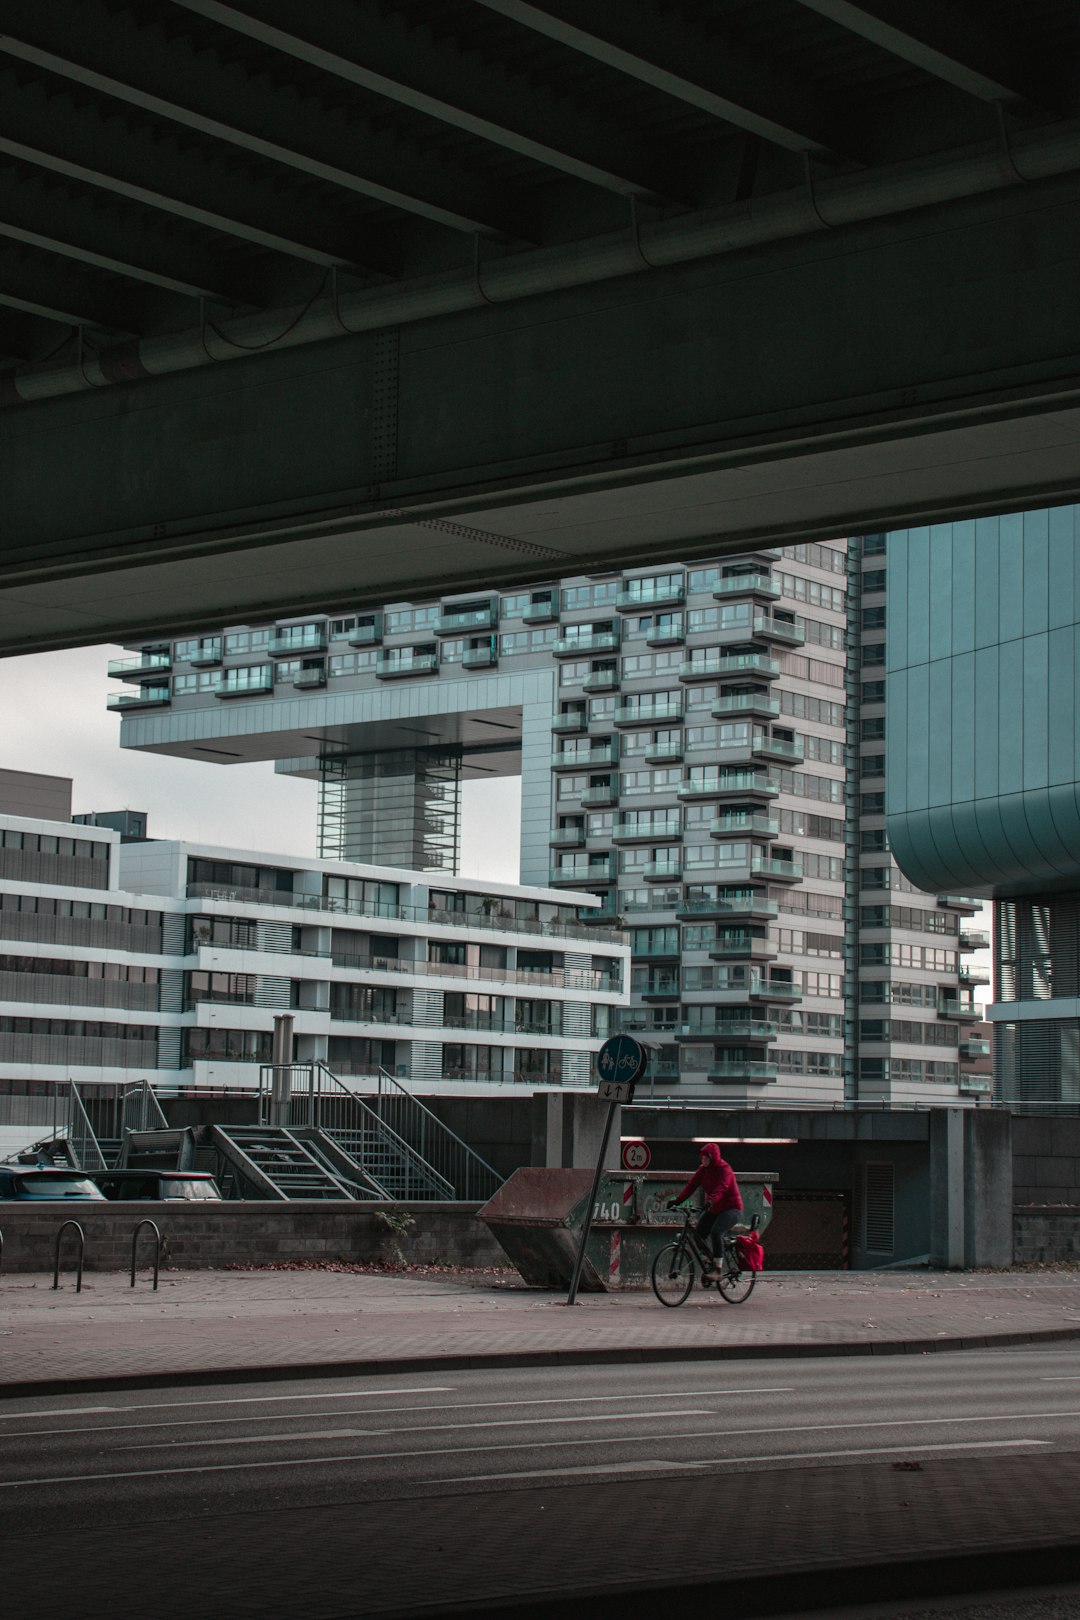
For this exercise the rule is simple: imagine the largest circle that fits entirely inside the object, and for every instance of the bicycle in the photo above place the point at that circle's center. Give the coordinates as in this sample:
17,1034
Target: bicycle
676,1265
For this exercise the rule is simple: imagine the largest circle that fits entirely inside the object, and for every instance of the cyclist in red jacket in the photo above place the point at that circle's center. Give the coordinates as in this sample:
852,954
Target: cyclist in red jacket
723,1200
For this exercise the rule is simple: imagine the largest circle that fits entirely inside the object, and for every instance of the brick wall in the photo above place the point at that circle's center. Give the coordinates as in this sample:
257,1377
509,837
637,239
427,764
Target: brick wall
245,1233
1049,1232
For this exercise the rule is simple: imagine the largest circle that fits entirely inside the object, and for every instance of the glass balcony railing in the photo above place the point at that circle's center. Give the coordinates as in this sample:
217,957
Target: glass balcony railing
665,635
569,724
779,748
311,639
754,705
664,712
669,871
567,838
458,622
305,679
974,939
581,877
666,753
959,902
734,1029
584,646
746,585
738,821
739,784
770,628
704,909
245,682
366,635
595,759
646,831
778,871
126,669
542,611
389,668
597,797
641,596
479,658
601,680
749,663
974,1049
960,1007
754,1074
745,947
147,697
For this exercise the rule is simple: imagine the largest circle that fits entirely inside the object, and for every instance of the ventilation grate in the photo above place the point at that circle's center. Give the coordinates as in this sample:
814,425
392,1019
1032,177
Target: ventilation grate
878,1209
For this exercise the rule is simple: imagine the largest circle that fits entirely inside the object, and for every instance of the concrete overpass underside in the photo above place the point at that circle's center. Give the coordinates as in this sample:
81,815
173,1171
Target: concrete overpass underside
305,306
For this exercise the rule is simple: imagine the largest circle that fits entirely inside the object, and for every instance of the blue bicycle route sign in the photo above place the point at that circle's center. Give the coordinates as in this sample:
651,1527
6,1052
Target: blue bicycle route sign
620,1063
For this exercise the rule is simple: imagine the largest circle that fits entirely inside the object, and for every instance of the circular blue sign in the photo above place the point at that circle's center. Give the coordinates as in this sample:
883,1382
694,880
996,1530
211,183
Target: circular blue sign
621,1059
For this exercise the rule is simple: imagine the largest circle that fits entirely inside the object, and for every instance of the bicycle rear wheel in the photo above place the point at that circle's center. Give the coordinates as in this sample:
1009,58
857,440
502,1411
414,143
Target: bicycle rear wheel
673,1274
733,1284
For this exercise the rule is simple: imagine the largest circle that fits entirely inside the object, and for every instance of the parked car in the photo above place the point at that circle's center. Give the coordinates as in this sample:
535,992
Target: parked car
34,1181
173,1185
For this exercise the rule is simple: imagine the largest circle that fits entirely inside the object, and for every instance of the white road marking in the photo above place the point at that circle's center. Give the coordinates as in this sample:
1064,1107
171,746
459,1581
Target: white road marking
400,1456
426,1428
231,1400
730,1463
378,1411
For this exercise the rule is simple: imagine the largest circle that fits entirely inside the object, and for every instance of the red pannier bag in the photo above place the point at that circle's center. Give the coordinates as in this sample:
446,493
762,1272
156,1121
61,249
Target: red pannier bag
751,1254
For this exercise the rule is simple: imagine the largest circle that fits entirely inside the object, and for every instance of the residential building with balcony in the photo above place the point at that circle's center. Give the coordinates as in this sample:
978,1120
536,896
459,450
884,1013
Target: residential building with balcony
700,747
169,962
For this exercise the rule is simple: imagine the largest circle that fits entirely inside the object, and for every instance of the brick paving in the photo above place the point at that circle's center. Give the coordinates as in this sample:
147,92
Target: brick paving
239,1323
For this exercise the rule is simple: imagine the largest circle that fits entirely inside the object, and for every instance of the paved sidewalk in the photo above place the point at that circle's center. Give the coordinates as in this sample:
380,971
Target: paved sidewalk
237,1324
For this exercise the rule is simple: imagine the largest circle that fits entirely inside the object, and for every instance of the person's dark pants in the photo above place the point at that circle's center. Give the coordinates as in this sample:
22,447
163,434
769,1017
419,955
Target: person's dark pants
712,1227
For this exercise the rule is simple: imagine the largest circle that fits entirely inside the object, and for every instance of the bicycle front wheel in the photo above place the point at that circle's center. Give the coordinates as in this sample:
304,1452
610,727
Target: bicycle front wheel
673,1274
735,1285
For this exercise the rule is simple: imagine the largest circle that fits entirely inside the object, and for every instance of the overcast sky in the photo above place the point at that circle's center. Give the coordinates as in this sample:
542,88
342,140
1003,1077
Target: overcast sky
53,718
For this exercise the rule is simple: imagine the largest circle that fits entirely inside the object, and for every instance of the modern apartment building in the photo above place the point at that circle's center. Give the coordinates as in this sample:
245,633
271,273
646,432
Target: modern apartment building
169,961
701,747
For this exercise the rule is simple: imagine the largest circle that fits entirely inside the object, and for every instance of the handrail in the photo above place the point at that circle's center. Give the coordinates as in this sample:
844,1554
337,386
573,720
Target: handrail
157,1248
428,1171
444,1128
81,1133
82,1254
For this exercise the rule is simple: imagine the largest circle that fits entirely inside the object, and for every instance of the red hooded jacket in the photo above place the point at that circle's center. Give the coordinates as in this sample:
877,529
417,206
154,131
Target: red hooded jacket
716,1180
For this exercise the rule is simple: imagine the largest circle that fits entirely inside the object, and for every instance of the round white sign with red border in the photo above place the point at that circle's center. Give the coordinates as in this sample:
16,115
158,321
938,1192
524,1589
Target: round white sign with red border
636,1156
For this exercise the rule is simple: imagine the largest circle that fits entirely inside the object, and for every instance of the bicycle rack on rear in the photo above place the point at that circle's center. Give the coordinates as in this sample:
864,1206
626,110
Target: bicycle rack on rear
157,1249
82,1252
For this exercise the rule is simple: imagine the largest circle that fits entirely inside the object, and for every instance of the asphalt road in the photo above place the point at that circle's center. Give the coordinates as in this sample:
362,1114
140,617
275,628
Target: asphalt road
167,1463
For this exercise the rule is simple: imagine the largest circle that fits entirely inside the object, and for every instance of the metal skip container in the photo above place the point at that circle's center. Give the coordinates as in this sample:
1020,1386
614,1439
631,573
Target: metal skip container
537,1217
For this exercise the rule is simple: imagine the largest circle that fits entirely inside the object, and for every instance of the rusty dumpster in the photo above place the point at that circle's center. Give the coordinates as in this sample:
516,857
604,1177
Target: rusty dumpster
537,1217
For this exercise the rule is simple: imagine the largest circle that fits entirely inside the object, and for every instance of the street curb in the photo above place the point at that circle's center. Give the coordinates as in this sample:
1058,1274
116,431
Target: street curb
276,1372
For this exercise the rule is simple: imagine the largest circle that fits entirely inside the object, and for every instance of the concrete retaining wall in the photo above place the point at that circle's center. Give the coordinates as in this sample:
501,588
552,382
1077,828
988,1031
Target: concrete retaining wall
251,1233
1048,1232
1046,1160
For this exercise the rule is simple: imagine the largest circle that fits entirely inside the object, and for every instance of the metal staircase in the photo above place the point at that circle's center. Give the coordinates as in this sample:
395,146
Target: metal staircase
276,1162
413,1159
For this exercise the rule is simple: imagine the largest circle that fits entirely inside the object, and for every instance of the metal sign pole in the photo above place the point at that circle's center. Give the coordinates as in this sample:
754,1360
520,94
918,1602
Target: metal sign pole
571,1298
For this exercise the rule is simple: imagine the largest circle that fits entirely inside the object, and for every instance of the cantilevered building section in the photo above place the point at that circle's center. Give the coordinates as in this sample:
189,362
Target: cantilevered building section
984,765
703,747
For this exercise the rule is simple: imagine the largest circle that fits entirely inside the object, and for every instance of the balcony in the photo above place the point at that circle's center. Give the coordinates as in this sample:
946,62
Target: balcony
207,653
664,753
134,669
969,974
367,635
582,877
646,832
389,667
756,664
254,681
601,680
665,635
747,705
746,585
659,872
289,643
745,1073
974,1049
730,785
965,1008
543,611
769,628
463,621
479,658
734,1029
663,988
640,598
700,669
572,724
147,697
959,902
723,909
973,1085
594,759
742,821
776,870
599,641
306,679
974,939
777,748
663,713
567,838
744,948
599,797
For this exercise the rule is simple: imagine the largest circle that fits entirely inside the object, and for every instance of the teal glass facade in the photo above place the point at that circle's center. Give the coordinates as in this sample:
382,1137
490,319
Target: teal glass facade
983,748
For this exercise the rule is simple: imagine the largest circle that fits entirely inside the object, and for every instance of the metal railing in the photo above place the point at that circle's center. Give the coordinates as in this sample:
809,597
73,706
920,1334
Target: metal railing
105,1115
397,1139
